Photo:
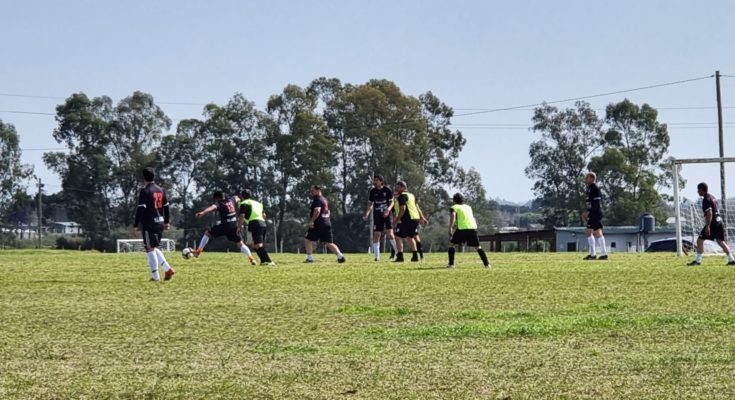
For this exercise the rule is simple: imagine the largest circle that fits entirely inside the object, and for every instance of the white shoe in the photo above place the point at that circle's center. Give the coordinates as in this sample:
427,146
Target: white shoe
489,266
450,266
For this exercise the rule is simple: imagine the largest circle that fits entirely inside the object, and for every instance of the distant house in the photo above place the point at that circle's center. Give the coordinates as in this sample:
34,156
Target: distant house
617,238
65,228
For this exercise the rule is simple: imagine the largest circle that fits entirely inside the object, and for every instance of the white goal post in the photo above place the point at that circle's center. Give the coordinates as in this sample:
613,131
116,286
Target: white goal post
724,212
136,245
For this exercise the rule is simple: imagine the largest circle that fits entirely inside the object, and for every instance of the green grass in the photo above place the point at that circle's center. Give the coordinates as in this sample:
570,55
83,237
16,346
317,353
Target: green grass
87,325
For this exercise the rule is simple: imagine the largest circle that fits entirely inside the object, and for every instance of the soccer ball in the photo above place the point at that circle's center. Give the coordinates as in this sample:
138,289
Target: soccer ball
187,253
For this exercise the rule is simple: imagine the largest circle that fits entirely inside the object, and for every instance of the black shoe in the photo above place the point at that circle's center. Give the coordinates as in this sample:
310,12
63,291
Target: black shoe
415,259
342,260
590,257
308,261
603,257
399,259
731,263
694,263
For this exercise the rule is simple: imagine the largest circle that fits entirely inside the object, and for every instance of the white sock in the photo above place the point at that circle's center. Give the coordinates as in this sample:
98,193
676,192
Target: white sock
393,245
601,243
591,244
204,241
162,260
310,257
153,263
246,250
730,257
376,250
698,258
340,256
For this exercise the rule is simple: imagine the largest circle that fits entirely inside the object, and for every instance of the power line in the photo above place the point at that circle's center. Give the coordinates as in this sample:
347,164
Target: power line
26,112
585,97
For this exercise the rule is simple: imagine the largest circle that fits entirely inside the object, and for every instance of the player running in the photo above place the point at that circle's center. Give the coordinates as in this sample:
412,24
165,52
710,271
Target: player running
408,219
593,216
320,226
461,215
713,227
380,201
252,213
152,218
227,208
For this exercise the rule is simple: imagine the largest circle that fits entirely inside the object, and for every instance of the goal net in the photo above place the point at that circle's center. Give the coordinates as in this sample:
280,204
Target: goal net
689,216
136,245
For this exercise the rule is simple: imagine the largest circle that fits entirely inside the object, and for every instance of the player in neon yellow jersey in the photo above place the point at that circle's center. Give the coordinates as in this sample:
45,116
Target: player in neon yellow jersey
460,215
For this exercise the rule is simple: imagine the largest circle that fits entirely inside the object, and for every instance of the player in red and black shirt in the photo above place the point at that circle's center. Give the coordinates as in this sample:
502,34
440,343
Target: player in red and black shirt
152,218
380,202
227,207
593,216
320,226
713,229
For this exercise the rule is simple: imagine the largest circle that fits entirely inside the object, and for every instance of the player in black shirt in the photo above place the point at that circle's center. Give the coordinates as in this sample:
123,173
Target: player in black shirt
152,218
713,227
380,202
228,226
593,216
320,226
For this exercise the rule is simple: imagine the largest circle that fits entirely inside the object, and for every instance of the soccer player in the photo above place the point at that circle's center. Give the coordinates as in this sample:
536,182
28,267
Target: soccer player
152,218
252,213
460,214
380,201
227,208
713,227
320,226
408,218
593,216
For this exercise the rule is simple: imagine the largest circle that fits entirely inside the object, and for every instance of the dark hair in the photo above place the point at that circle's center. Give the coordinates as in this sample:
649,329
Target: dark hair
379,177
703,186
458,198
149,174
402,184
317,187
245,194
218,195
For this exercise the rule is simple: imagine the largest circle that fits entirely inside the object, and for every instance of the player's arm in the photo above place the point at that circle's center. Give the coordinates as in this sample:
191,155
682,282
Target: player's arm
166,213
388,209
422,220
367,212
452,219
708,216
141,207
206,211
314,216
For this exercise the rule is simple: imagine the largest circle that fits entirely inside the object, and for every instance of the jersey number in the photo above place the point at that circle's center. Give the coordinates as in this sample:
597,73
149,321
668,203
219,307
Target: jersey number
158,200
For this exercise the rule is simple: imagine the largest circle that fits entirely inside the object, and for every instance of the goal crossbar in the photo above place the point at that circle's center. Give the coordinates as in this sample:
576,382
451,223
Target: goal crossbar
677,163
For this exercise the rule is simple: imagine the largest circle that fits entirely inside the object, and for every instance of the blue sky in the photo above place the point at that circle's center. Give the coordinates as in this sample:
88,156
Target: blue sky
472,54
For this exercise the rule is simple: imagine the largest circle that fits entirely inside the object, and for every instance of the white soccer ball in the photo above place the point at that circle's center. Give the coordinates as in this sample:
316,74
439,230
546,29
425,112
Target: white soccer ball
187,253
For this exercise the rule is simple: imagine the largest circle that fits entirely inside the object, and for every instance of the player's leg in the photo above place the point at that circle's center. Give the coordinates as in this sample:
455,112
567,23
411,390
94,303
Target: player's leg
258,233
327,238
415,241
473,240
392,239
150,241
700,250
377,234
400,235
600,240
233,235
203,242
591,244
419,246
312,235
452,251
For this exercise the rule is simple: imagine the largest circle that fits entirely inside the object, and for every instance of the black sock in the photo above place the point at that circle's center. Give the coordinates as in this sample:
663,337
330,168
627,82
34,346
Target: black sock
415,254
482,254
420,249
451,255
263,254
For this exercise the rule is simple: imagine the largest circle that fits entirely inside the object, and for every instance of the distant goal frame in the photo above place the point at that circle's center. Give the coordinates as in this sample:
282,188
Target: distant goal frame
166,245
675,169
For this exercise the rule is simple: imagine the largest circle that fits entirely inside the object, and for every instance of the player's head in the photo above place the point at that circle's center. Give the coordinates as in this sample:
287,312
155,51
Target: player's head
315,190
378,181
458,198
590,178
149,174
401,187
702,189
218,195
245,194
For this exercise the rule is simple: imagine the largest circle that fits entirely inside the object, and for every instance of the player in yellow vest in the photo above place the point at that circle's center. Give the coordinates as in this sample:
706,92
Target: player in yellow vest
408,219
252,214
460,214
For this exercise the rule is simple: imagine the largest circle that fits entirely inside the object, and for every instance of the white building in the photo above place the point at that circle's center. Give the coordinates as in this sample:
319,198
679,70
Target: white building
65,228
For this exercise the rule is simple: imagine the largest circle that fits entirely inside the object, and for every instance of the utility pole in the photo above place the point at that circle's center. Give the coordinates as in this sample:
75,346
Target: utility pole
40,212
723,188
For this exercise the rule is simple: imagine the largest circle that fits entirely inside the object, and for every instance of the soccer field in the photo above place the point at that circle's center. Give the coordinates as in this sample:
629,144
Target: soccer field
87,325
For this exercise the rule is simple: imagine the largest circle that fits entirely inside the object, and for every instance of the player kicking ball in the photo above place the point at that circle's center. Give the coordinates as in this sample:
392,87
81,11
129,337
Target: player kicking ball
228,210
593,216
713,227
461,215
152,219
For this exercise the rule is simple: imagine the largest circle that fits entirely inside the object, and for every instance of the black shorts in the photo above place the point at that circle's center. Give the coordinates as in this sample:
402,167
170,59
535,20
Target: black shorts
152,235
229,230
716,232
407,229
258,230
594,223
466,236
320,233
381,223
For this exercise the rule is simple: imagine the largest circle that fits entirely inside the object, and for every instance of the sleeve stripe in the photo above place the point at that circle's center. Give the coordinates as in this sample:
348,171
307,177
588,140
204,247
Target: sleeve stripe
141,205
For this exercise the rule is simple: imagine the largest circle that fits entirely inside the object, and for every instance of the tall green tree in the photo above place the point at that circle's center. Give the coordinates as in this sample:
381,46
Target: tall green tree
13,173
559,158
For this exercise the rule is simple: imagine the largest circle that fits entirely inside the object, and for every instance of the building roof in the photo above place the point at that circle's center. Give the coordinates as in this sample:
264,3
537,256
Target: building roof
612,230
68,223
